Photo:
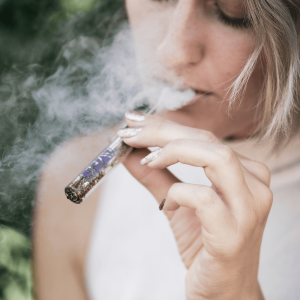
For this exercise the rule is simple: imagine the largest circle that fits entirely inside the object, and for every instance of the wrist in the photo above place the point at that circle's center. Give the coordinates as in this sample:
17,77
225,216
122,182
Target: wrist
254,294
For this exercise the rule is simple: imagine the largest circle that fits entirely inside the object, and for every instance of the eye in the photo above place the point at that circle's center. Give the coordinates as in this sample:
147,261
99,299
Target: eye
232,21
221,15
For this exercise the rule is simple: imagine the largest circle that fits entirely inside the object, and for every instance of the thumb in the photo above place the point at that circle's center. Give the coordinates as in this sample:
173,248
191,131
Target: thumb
157,181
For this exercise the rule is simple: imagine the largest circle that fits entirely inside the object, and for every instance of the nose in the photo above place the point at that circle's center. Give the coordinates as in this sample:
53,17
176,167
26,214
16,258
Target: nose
183,45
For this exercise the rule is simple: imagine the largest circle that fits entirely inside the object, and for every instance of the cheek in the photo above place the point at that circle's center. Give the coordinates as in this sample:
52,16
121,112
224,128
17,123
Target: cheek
227,53
225,49
148,21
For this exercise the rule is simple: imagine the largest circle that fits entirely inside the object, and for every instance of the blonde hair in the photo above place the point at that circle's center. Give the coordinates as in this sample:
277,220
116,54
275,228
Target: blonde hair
276,24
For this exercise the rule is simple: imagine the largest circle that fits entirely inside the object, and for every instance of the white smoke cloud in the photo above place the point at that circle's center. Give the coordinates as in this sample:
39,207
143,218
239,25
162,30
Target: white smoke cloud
92,88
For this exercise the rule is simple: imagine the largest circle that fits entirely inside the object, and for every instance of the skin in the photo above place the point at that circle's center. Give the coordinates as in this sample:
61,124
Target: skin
218,229
61,230
223,224
186,39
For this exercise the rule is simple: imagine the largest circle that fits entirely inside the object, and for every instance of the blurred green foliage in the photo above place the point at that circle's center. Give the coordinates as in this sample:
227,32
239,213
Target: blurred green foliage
31,31
15,270
21,21
75,6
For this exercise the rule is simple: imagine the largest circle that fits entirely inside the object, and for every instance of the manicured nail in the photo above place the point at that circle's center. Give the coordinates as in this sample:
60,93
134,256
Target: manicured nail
150,157
162,204
135,116
128,132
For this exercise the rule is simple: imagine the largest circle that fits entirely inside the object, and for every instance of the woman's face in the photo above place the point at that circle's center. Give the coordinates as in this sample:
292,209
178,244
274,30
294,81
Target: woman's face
206,43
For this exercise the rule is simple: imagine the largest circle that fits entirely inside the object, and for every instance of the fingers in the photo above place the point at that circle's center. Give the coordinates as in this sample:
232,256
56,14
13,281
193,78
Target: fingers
219,162
258,169
157,131
210,209
232,177
158,182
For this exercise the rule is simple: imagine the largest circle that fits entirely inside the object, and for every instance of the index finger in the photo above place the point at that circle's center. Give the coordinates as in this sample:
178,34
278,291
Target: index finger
157,130
220,164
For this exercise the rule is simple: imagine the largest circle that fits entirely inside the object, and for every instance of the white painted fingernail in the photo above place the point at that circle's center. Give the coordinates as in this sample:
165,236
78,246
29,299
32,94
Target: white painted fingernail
135,116
128,132
150,157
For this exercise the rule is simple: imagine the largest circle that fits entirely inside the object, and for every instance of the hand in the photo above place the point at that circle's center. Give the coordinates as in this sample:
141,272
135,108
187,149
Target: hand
218,229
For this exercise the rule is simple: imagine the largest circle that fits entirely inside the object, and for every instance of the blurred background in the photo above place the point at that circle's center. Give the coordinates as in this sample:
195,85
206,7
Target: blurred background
32,34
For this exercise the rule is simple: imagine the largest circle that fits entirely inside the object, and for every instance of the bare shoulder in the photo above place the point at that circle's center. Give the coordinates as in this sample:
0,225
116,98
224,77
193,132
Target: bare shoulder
61,229
70,158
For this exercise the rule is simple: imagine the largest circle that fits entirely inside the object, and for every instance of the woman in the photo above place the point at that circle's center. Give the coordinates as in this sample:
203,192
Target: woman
242,60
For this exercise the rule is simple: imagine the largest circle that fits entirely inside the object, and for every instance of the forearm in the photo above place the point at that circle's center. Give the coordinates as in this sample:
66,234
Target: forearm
260,293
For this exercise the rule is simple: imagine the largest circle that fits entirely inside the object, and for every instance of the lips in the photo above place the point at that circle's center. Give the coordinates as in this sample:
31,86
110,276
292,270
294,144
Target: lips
197,90
198,95
181,86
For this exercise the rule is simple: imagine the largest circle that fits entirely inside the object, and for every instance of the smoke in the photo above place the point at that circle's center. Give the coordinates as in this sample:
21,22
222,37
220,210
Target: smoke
91,89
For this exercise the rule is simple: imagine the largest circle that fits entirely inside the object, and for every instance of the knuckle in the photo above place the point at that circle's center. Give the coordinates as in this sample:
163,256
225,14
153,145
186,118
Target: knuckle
232,247
256,214
225,153
158,126
206,197
175,145
264,171
209,172
267,200
174,189
206,136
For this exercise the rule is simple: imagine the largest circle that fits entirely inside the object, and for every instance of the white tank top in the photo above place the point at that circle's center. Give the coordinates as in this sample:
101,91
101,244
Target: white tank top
133,254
